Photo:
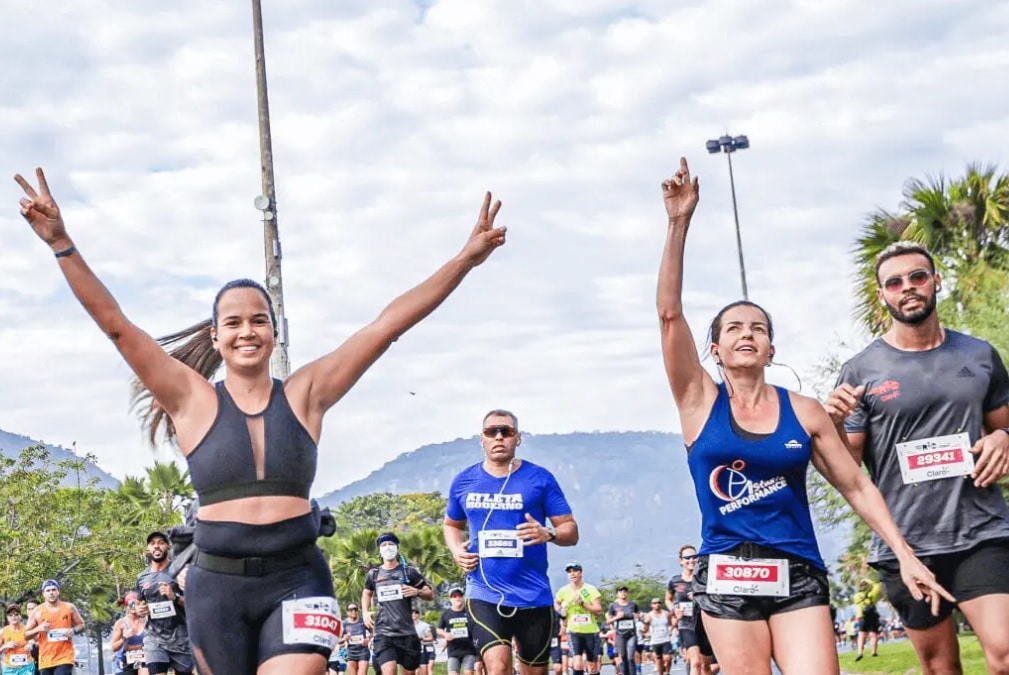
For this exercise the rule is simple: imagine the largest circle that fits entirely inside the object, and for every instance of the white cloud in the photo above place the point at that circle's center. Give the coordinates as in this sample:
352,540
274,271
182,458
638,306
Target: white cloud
391,118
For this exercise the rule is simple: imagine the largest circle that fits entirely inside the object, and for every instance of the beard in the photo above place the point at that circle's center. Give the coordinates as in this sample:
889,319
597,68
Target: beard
913,317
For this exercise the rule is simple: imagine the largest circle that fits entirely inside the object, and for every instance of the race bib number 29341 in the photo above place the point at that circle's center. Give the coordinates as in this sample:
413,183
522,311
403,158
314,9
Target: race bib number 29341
935,458
313,621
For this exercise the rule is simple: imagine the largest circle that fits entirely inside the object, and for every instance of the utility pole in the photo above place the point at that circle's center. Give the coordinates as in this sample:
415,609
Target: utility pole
267,203
729,145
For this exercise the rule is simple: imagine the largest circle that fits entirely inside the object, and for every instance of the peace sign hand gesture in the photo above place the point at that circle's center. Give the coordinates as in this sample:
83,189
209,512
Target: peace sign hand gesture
681,195
42,213
485,237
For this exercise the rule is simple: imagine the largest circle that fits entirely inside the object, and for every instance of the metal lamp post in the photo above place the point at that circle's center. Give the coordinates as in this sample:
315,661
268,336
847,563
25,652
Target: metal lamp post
728,145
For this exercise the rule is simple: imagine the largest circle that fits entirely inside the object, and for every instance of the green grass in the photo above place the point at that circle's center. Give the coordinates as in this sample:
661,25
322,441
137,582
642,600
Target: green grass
898,658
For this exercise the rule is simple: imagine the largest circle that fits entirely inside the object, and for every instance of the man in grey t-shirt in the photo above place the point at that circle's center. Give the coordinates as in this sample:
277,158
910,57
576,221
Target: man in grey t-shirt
925,409
166,640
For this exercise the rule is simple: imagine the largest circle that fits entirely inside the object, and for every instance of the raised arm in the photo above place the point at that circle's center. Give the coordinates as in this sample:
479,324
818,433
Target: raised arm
689,381
327,379
168,380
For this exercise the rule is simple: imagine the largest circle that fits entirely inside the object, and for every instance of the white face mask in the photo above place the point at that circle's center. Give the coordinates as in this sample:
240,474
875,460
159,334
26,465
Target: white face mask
388,551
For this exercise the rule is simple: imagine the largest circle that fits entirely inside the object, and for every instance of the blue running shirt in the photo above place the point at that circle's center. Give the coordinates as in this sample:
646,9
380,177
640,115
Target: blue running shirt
478,498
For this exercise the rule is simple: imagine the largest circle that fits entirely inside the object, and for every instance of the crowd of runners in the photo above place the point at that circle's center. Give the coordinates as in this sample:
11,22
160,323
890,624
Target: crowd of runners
923,407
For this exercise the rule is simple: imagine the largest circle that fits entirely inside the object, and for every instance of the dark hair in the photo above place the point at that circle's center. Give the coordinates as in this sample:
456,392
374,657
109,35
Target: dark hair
500,412
194,347
715,331
685,547
899,248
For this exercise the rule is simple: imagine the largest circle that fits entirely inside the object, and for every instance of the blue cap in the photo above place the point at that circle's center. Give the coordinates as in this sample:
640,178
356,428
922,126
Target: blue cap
50,582
388,536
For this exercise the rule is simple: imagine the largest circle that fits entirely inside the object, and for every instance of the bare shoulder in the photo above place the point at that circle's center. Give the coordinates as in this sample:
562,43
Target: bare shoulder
808,410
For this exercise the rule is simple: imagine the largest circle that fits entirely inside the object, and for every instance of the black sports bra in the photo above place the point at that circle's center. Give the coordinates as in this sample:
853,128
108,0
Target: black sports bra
222,465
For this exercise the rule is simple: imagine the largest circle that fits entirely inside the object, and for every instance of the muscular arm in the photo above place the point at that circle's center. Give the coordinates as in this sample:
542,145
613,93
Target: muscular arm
566,530
117,636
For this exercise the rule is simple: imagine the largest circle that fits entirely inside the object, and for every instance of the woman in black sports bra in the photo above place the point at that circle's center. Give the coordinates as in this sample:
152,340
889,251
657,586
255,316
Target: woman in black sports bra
259,596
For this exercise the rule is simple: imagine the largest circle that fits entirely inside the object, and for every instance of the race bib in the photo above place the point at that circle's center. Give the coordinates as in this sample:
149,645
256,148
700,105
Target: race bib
581,620
554,642
312,621
625,624
687,608
134,656
500,544
19,659
357,639
161,610
934,458
390,592
460,632
728,575
660,632
58,635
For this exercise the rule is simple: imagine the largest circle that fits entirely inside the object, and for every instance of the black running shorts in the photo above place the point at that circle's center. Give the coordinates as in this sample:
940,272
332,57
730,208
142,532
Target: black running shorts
531,627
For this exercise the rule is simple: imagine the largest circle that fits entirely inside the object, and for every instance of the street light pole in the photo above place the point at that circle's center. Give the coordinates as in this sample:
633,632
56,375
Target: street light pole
729,145
267,203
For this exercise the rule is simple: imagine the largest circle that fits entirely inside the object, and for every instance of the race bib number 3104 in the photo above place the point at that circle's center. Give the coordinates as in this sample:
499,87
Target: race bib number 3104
934,458
313,621
728,575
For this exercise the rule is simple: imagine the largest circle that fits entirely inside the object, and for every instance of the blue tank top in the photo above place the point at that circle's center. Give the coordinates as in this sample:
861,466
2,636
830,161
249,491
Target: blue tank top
752,487
222,466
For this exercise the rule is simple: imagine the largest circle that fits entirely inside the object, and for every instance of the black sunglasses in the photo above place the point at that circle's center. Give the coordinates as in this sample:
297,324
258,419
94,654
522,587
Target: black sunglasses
915,278
688,557
505,431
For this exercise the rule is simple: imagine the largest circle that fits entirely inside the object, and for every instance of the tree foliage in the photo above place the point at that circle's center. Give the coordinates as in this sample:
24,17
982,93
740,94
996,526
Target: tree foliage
385,511
642,586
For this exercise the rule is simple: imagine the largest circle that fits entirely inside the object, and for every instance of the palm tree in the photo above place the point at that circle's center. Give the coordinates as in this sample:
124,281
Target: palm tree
425,549
965,223
161,497
350,558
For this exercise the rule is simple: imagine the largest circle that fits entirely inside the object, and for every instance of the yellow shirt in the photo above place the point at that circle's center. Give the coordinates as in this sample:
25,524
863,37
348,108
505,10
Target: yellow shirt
580,620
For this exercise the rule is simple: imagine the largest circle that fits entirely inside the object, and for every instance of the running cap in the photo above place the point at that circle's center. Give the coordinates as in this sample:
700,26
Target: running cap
456,591
622,588
50,583
387,536
351,607
157,533
656,600
14,607
573,565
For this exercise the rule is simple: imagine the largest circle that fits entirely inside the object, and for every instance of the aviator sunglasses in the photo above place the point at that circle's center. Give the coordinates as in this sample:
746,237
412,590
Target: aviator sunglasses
915,278
505,431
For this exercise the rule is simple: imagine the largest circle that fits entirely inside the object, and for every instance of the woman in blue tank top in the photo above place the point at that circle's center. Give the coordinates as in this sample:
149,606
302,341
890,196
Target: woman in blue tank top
760,580
259,595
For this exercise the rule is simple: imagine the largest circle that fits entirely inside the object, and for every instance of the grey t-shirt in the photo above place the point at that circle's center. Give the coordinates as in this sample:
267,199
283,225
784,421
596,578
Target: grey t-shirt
168,633
395,614
917,395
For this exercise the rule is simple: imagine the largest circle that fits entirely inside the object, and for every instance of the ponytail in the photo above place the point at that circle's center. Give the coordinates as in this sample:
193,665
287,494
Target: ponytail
194,348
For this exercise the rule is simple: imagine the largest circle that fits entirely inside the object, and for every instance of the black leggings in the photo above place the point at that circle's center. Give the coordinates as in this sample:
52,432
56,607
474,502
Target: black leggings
236,622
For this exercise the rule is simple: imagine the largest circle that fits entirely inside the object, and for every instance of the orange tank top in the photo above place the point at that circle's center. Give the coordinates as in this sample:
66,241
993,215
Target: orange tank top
56,645
20,654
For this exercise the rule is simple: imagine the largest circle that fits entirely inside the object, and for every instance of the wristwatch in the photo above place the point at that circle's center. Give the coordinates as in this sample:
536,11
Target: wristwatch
553,536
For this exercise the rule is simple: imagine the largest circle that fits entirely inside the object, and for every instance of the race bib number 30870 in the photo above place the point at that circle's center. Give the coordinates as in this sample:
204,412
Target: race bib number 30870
728,575
313,621
934,458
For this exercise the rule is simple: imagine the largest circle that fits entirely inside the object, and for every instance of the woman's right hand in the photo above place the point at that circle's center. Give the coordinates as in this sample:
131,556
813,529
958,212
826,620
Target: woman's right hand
42,213
681,195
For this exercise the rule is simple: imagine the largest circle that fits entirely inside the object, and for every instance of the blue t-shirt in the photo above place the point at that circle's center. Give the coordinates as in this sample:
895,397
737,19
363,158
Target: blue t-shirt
490,503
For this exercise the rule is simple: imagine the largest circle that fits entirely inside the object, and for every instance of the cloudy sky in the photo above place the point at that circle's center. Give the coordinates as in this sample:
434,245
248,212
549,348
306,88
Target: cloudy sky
391,118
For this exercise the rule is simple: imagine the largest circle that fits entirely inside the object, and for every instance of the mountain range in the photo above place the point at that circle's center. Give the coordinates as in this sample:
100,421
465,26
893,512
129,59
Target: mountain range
11,446
630,492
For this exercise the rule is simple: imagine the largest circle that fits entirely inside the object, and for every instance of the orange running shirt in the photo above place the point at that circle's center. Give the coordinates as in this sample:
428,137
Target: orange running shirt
56,645
19,655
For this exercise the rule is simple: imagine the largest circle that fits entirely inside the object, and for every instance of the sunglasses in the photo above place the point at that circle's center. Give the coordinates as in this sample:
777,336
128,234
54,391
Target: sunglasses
915,278
688,557
352,609
505,431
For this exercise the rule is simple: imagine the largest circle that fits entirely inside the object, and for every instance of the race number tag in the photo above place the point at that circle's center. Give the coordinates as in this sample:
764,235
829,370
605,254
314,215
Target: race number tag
500,544
728,575
934,458
687,608
134,656
581,620
460,632
19,659
390,592
58,635
625,624
357,639
312,621
660,632
554,643
161,610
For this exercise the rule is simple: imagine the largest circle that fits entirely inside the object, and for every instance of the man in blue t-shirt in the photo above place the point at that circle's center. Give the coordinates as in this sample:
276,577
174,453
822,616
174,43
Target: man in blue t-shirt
495,526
